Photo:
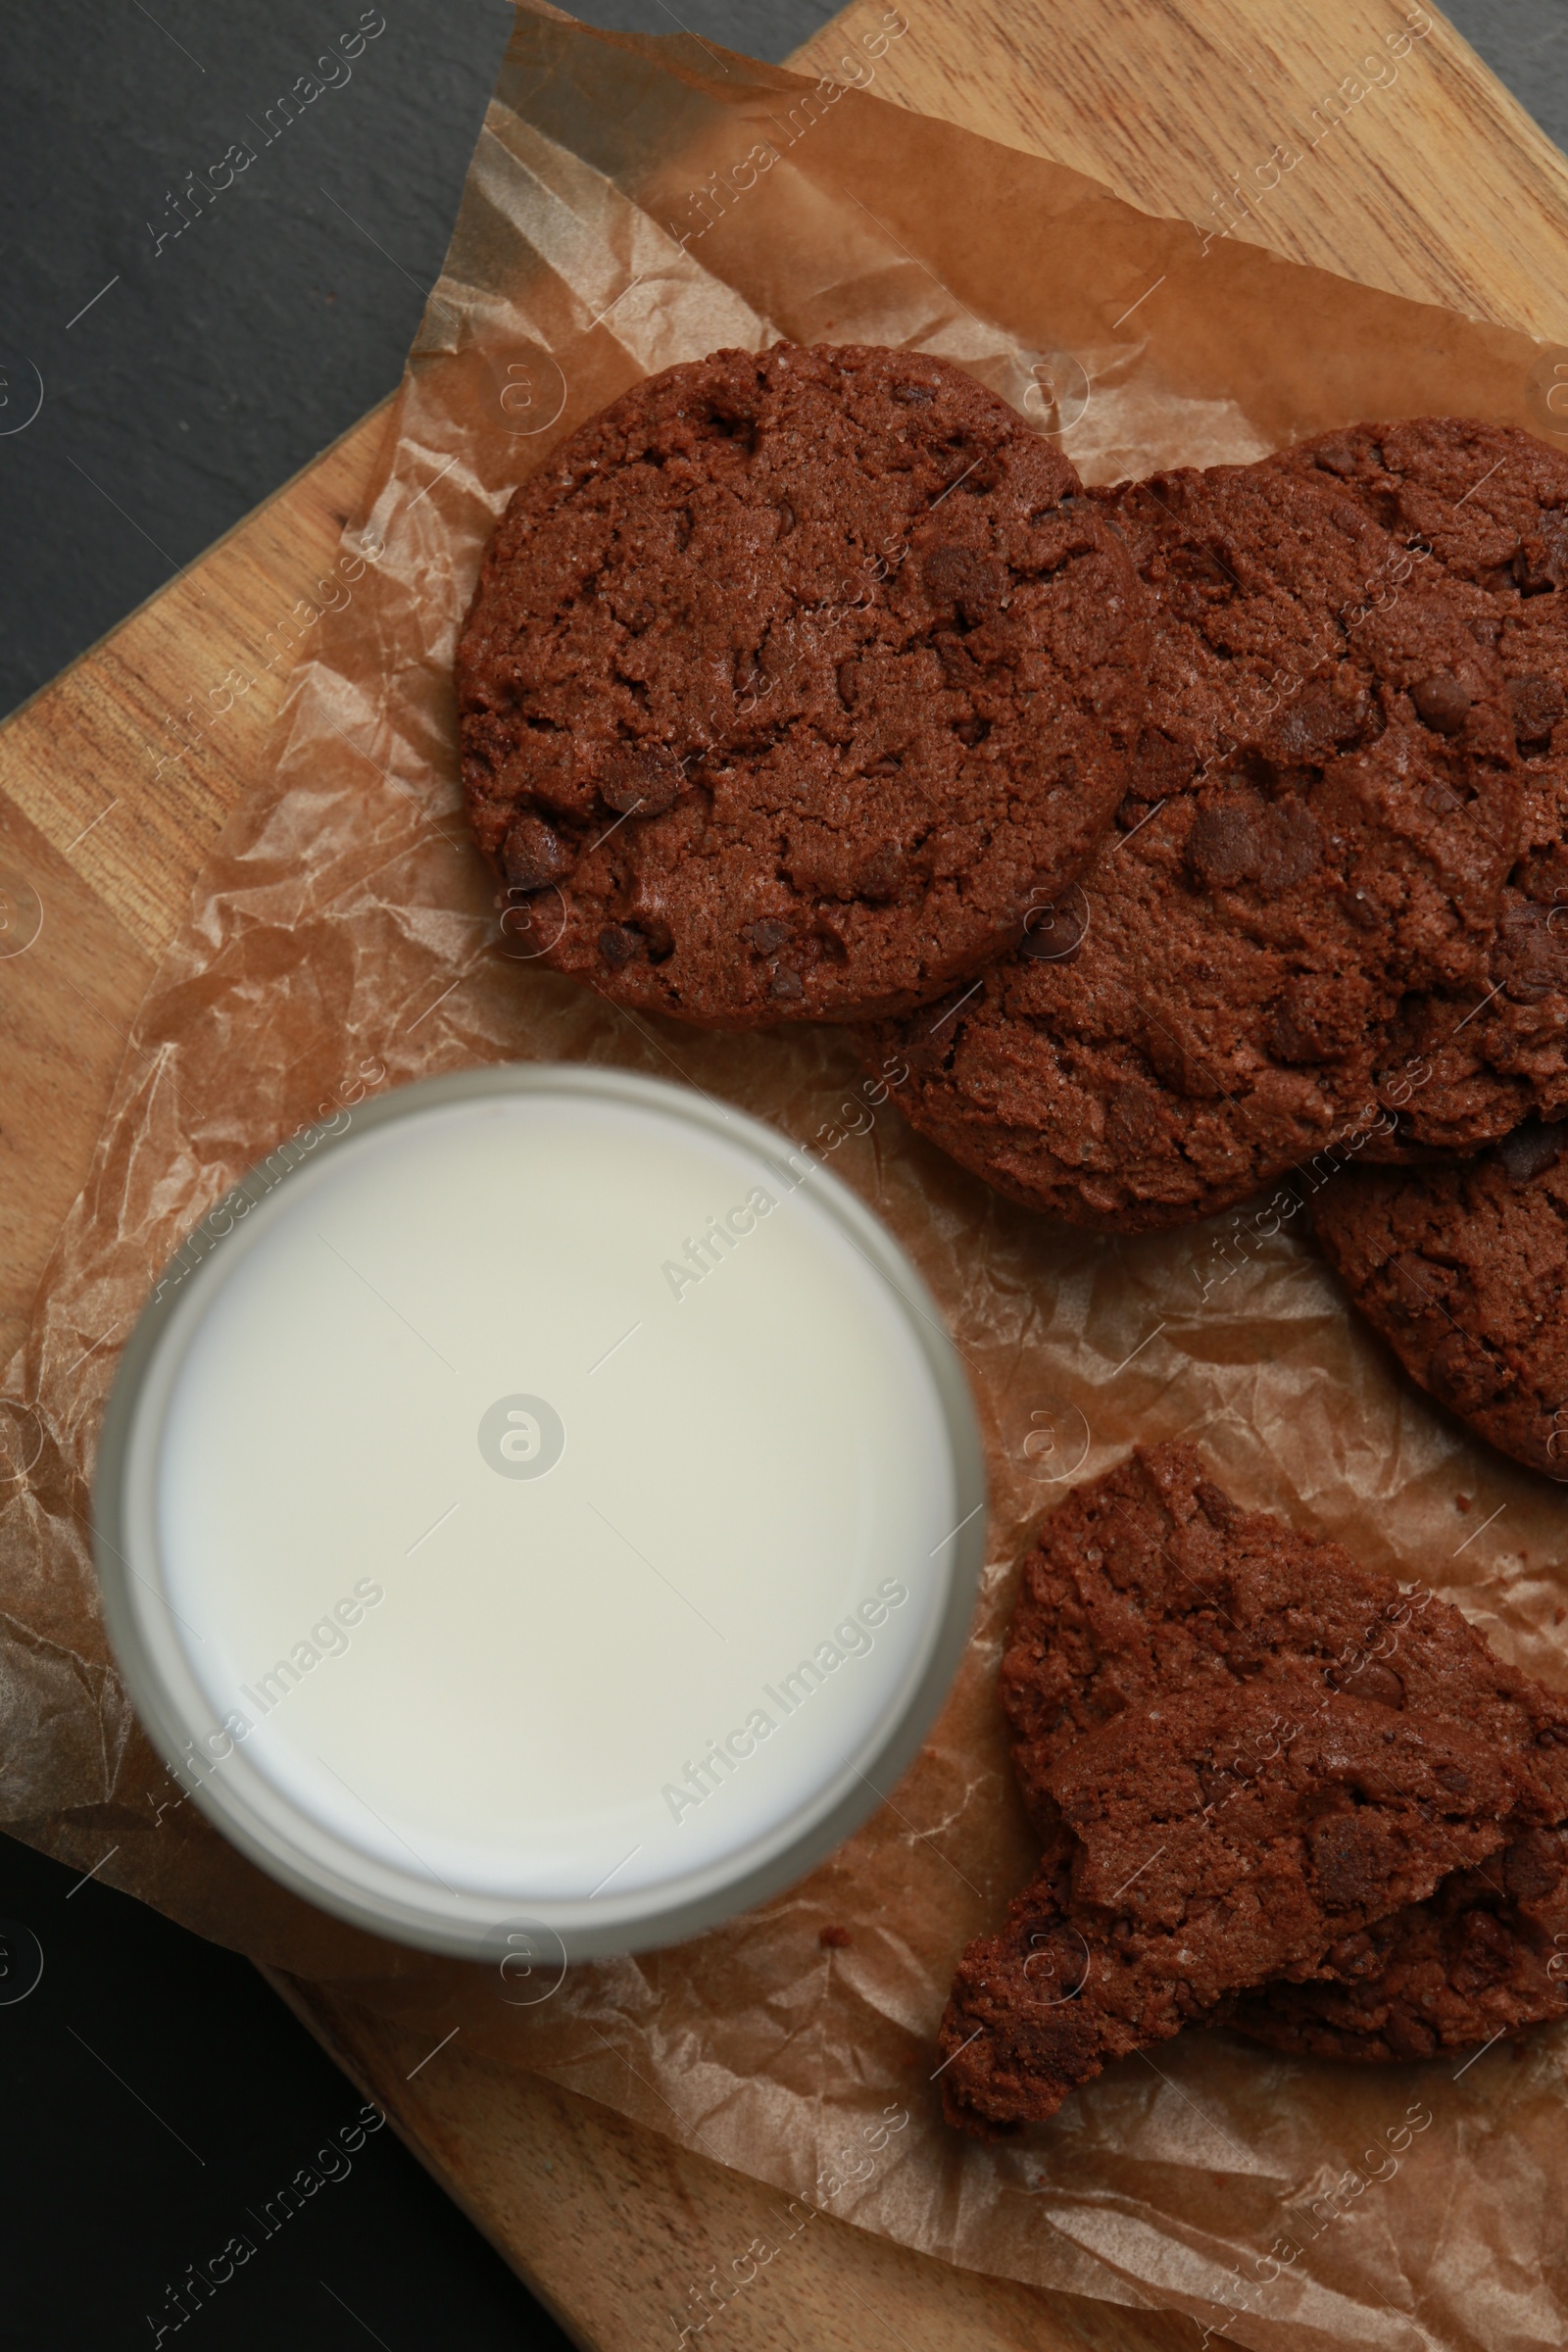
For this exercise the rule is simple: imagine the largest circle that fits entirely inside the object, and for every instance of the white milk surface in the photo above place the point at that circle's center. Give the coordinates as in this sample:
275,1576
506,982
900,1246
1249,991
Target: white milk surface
514,1679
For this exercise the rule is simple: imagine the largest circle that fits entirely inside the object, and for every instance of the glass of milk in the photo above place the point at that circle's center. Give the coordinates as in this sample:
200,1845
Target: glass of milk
540,1512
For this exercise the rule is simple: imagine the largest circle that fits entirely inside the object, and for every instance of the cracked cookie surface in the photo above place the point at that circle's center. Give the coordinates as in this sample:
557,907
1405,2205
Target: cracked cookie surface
1220,1837
1151,1579
790,681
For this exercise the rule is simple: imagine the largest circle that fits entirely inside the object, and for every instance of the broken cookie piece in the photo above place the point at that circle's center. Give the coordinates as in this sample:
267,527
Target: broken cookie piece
1150,1590
1487,1953
1215,1840
1152,1577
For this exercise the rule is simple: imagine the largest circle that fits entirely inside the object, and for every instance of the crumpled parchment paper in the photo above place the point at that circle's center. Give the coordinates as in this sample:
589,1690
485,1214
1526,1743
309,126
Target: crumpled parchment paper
631,204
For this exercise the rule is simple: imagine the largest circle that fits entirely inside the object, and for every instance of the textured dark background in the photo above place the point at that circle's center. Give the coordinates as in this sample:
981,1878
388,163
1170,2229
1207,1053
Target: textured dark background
182,382
152,2089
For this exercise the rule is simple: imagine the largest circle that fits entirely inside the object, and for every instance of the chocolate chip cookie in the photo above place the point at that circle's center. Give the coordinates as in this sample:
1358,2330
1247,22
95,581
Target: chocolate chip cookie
1327,806
789,680
1487,504
1151,1580
1463,1269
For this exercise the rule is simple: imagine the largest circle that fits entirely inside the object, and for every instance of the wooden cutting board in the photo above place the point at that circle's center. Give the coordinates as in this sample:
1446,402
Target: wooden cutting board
112,785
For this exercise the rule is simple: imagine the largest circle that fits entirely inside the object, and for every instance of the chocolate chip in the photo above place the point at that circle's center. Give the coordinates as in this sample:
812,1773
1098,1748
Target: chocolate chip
766,935
643,776
786,985
961,581
533,855
1339,458
1442,700
878,876
1532,1148
618,942
1223,846
1055,933
1377,1683
914,396
971,732
1541,561
1174,1064
845,678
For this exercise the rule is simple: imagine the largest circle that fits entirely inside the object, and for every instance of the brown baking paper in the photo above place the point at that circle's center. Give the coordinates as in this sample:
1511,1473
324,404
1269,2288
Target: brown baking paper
630,205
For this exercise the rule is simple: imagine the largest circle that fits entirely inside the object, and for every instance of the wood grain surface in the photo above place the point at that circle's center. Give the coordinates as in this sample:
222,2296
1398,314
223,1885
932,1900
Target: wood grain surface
1415,170
618,2232
1430,182
111,790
